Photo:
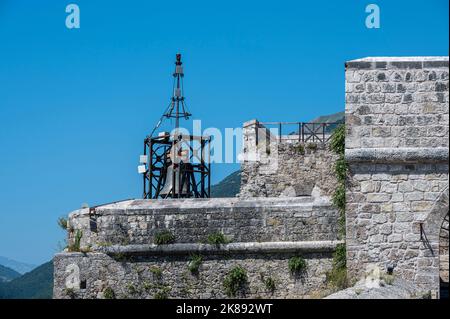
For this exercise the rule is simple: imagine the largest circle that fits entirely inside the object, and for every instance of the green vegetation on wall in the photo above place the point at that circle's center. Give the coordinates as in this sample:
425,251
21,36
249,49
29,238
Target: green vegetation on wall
337,277
217,239
164,237
235,280
337,145
297,265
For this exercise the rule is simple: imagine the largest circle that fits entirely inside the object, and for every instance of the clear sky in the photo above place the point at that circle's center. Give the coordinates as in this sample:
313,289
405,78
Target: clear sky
76,104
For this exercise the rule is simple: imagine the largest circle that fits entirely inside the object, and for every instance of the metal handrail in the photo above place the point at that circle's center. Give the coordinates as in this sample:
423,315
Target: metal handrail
307,131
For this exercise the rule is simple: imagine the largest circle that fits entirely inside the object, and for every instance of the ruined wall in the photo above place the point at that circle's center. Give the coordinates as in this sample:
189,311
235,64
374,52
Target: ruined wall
121,254
397,118
287,167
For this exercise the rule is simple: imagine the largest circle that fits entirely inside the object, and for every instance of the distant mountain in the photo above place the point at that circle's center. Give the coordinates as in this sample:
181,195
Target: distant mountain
18,266
330,118
7,274
37,284
228,187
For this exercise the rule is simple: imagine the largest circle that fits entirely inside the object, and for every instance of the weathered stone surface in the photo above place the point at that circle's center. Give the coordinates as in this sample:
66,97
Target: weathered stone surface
398,160
399,289
147,276
264,233
192,220
287,167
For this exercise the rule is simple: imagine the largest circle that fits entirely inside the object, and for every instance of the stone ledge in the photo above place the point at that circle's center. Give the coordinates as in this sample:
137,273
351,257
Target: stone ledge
398,155
236,248
250,123
149,206
384,63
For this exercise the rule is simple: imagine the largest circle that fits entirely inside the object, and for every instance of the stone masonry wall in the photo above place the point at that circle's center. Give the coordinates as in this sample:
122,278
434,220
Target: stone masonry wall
138,277
286,168
397,119
192,220
119,254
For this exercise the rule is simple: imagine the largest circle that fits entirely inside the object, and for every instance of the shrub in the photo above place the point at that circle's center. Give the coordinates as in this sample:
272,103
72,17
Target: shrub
339,197
164,237
108,293
156,271
132,289
337,143
75,246
311,146
235,280
194,263
337,277
301,149
163,293
217,239
269,282
120,257
297,265
147,285
339,256
62,222
340,169
70,292
160,295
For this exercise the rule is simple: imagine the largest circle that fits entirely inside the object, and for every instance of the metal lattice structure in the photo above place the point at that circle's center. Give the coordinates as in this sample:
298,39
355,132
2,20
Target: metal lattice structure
176,165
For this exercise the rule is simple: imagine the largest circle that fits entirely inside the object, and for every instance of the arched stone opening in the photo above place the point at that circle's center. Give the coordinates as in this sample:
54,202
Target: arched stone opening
443,258
436,237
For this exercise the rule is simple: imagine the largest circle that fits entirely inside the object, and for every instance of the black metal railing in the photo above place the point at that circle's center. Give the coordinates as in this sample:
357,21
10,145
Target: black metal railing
298,131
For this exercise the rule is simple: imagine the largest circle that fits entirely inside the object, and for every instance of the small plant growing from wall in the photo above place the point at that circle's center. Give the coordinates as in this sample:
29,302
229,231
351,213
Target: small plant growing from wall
300,149
75,246
268,282
194,263
164,237
337,145
162,293
63,223
132,289
337,277
120,257
217,239
312,147
156,272
108,293
297,265
235,280
70,292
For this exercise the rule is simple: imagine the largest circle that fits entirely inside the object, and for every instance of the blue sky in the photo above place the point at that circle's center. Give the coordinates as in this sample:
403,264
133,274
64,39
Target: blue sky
75,105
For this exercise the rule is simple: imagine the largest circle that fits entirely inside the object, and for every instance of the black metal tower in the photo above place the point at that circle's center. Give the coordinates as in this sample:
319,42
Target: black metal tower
176,165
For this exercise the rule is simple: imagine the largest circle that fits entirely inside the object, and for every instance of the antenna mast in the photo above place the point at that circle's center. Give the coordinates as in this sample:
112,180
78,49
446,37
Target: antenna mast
178,107
176,165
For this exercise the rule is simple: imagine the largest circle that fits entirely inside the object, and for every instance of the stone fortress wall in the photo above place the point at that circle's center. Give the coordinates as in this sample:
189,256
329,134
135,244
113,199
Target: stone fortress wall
285,167
264,233
397,121
397,125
